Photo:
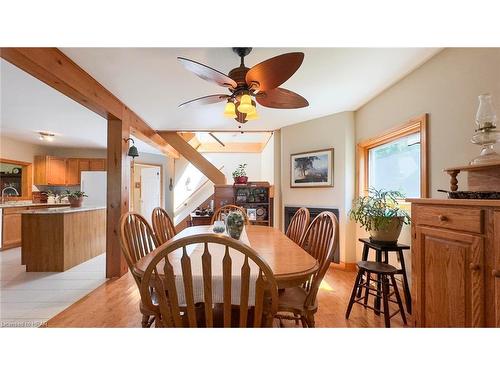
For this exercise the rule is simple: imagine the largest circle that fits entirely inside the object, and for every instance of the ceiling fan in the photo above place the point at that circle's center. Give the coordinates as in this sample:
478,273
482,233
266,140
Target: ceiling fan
246,84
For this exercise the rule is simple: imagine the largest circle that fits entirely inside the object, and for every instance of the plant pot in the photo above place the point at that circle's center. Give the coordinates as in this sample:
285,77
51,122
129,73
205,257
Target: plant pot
390,233
75,202
235,222
241,180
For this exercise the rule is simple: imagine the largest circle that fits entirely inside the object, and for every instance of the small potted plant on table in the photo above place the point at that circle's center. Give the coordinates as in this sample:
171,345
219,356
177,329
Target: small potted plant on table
75,198
240,175
379,213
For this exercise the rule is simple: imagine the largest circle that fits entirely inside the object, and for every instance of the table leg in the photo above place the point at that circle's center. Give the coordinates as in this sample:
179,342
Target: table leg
378,258
363,257
406,287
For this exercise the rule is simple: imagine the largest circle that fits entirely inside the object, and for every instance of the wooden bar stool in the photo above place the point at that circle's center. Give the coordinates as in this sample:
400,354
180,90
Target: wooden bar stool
385,281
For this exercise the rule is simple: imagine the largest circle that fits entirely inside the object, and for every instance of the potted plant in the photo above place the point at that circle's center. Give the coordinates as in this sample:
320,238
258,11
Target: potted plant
75,198
240,175
379,213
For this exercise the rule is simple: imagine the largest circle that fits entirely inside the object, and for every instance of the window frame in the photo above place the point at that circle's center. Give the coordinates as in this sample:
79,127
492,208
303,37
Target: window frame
415,125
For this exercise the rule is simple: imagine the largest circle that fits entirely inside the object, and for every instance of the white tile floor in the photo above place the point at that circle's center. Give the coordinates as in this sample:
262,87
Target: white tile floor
29,299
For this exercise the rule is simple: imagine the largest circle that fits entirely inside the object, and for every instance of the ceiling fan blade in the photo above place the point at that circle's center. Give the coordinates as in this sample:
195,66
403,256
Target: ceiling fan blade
281,98
273,72
209,99
207,73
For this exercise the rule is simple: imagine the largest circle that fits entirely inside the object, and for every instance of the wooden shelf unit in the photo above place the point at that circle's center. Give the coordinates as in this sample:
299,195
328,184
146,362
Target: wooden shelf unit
260,192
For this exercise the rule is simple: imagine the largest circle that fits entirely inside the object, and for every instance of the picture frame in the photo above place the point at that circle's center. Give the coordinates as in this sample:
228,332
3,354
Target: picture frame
312,169
252,214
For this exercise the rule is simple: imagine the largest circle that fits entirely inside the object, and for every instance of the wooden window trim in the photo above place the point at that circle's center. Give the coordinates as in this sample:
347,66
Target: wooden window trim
415,125
26,181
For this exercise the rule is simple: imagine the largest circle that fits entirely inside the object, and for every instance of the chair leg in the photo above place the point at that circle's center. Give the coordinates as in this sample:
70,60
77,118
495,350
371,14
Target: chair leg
367,290
398,299
297,319
310,321
385,299
406,287
145,321
304,322
353,294
366,249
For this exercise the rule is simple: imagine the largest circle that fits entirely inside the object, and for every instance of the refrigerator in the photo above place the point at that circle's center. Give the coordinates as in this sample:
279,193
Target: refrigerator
94,185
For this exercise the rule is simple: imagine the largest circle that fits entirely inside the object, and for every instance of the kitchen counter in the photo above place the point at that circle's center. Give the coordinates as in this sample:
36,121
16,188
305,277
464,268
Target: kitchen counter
30,204
62,210
57,239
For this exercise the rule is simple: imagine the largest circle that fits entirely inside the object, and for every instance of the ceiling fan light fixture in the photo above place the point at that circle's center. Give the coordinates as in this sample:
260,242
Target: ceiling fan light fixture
230,110
252,115
246,104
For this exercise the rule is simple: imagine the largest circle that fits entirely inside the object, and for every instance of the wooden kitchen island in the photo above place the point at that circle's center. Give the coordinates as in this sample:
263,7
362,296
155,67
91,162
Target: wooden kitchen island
57,239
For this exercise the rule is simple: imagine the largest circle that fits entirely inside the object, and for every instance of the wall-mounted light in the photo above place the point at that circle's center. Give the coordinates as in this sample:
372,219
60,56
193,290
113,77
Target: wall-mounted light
44,136
132,151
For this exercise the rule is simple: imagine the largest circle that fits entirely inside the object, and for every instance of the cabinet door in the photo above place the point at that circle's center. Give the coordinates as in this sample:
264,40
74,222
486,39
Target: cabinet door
448,278
97,164
83,165
496,267
72,172
56,171
11,230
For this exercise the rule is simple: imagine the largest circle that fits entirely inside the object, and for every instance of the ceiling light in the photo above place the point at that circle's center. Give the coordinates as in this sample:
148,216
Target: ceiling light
44,136
252,115
230,110
245,104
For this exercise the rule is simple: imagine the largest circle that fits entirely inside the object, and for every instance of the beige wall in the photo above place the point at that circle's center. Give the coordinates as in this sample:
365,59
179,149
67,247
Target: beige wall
446,87
335,131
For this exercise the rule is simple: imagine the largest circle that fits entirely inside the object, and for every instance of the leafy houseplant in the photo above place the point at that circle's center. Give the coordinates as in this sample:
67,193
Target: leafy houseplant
379,213
75,198
240,175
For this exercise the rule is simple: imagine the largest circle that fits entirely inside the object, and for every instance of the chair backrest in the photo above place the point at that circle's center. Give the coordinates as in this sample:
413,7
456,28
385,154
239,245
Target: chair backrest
177,278
162,225
298,225
321,240
137,239
225,210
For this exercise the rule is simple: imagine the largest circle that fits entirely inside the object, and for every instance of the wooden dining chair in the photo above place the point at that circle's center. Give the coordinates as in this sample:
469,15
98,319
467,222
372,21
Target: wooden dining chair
137,239
298,225
321,240
225,210
206,310
163,227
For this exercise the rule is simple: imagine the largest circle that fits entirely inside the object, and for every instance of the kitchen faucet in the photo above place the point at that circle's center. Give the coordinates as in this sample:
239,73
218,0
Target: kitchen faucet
6,188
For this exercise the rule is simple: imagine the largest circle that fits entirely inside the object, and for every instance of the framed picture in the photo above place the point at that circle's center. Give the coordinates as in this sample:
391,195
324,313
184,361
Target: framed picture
312,169
252,214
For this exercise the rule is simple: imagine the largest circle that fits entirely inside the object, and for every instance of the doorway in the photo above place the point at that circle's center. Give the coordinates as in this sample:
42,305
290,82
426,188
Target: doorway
147,191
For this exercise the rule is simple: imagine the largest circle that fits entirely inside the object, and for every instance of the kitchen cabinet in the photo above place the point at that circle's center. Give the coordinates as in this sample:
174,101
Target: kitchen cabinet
51,170
11,223
456,263
72,171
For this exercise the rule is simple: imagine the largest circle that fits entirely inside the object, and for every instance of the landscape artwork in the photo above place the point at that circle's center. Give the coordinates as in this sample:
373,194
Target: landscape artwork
312,169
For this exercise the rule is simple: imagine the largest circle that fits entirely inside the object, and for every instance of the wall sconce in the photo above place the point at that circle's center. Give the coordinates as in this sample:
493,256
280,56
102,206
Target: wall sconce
132,151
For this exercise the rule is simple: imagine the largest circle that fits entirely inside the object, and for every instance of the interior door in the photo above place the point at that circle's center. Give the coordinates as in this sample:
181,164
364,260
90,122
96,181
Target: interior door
150,190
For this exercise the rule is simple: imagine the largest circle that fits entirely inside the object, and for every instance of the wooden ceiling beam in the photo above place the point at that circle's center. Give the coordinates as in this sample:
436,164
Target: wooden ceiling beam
54,68
194,157
232,147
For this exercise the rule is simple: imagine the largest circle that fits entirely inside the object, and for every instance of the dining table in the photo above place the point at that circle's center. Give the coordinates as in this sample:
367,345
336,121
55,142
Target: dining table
290,264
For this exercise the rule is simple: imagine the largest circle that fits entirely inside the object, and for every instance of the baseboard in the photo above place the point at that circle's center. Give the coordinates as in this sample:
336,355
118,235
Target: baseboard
343,266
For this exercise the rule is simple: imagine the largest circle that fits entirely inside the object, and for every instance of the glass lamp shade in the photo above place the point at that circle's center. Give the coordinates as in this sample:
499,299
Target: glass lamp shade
252,115
245,104
486,117
230,110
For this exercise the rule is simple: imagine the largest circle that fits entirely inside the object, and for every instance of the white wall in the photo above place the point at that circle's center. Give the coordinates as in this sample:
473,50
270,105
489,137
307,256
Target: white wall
230,161
267,161
335,131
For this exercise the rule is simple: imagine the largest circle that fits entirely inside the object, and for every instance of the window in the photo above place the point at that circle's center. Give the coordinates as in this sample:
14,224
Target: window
396,160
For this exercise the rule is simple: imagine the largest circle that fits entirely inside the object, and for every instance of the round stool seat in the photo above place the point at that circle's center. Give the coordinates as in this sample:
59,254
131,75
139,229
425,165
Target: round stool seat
377,267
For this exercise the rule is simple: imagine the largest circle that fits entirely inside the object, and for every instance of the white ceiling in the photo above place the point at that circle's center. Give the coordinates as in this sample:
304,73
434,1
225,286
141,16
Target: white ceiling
29,106
153,83
234,137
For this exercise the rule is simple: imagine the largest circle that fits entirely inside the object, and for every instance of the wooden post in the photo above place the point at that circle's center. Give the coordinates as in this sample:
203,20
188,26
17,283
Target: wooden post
118,190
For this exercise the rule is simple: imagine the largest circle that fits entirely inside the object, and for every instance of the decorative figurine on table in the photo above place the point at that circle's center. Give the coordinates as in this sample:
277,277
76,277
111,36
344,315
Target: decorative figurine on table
235,223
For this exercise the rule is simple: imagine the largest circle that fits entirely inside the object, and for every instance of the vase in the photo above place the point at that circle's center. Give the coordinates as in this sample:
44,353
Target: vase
241,180
390,233
75,202
235,222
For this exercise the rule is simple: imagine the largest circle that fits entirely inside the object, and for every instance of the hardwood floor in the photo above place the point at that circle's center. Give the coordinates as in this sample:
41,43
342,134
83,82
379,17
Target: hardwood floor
116,304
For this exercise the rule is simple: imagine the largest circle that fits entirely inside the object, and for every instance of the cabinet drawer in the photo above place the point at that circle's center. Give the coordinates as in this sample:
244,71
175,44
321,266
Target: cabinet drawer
469,219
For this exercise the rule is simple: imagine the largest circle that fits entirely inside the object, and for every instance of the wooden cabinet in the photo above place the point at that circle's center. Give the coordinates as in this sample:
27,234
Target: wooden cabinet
72,171
11,230
51,170
455,252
